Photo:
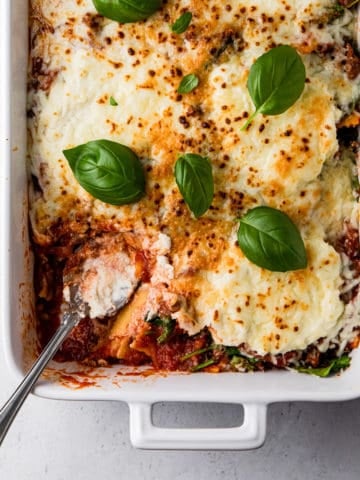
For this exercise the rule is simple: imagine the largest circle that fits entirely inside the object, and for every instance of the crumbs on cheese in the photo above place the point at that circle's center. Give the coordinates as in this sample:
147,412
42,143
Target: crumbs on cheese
187,286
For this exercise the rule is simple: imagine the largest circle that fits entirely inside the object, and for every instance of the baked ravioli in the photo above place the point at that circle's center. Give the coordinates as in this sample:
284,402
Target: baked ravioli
164,270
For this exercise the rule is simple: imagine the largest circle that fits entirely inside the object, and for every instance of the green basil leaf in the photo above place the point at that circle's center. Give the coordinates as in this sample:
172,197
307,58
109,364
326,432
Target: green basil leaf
334,366
200,351
109,171
337,10
243,363
193,175
232,352
113,102
127,11
188,83
167,325
276,81
203,365
270,239
182,23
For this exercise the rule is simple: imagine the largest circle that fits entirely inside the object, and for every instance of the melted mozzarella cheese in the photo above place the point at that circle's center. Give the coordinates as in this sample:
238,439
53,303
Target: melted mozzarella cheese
285,161
271,312
277,155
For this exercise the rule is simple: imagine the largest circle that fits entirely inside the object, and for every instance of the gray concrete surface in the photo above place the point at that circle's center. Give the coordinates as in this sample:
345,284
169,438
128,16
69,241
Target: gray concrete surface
56,440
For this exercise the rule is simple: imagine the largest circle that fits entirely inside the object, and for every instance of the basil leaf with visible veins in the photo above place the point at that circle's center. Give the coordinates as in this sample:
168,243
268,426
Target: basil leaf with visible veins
276,81
127,11
109,171
181,24
188,83
193,175
271,240
334,366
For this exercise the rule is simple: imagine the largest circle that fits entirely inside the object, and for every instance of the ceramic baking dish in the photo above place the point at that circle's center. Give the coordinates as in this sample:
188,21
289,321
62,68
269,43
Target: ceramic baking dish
140,390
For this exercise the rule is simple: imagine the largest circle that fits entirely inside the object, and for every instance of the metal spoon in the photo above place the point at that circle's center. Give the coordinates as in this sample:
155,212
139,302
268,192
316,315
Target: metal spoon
103,267
76,310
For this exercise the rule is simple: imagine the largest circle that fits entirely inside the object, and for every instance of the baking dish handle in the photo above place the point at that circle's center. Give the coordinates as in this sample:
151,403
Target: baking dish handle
144,434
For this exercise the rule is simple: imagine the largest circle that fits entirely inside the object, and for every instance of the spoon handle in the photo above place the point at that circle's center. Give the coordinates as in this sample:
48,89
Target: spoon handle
12,406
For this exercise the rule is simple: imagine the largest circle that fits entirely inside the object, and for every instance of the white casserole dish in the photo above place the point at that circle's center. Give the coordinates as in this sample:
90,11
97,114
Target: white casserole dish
74,382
